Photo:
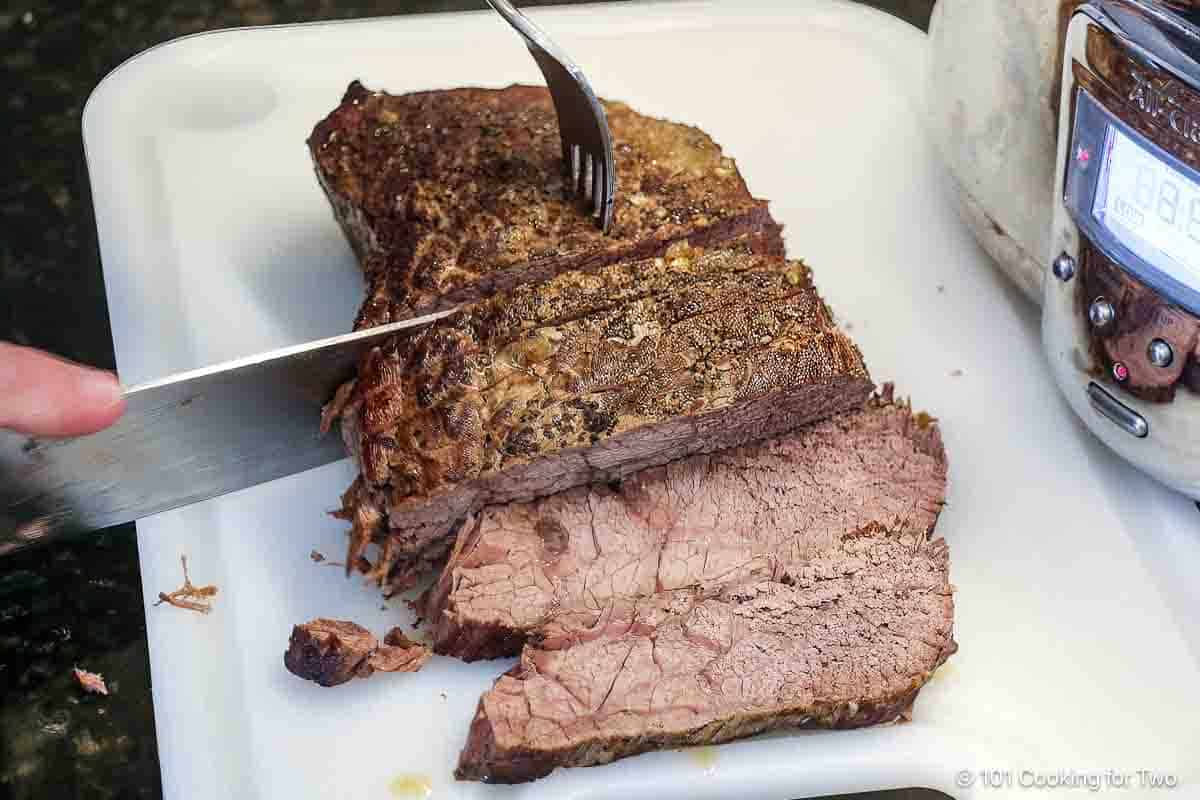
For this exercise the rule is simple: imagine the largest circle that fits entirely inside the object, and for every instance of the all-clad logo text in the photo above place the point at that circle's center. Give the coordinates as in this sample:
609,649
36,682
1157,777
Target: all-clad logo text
1159,101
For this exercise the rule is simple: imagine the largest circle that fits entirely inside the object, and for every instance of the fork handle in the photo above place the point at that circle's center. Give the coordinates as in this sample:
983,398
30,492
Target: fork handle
525,26
507,10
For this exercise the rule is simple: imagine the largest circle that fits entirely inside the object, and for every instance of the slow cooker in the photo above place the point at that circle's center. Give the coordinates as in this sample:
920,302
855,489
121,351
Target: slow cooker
1072,132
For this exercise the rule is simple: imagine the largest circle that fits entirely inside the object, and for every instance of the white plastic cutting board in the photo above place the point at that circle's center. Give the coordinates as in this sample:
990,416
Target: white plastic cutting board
1075,608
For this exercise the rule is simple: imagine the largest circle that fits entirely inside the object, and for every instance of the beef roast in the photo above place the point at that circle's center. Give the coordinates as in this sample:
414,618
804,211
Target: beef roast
330,652
447,196
627,354
843,639
786,584
588,377
750,513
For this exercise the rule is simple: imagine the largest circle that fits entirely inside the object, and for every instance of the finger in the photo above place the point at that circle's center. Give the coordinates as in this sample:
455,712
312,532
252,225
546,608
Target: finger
43,395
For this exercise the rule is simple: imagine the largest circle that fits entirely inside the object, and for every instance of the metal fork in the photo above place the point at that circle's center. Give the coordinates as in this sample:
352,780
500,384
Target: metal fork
582,124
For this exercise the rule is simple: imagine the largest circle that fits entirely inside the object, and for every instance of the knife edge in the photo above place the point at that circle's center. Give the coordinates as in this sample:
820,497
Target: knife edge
363,337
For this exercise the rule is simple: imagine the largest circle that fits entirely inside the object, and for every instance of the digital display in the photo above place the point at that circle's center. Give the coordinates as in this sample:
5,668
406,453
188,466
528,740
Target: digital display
1153,208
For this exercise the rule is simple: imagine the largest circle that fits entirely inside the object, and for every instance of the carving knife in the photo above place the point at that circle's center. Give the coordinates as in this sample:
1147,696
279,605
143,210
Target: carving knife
182,439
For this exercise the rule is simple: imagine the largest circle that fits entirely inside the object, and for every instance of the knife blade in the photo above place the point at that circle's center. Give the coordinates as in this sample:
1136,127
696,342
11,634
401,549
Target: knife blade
184,438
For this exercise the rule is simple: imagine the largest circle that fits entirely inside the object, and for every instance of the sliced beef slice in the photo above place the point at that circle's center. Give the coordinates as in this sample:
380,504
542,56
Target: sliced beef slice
750,513
845,639
330,652
589,377
448,196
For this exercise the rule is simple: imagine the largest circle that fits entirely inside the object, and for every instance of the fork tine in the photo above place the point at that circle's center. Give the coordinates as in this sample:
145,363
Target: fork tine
582,123
607,191
598,189
573,189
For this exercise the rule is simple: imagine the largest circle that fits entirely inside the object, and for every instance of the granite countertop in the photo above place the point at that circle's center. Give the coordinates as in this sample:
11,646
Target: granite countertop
80,603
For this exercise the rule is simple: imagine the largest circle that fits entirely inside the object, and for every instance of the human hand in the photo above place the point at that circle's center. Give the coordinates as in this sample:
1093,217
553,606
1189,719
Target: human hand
44,395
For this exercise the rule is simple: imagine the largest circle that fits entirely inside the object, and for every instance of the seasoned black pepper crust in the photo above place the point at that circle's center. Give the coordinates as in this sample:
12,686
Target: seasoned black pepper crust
586,376
450,195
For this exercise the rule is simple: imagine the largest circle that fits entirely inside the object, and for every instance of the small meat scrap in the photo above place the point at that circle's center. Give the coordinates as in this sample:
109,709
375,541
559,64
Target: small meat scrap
330,652
398,653
189,596
92,682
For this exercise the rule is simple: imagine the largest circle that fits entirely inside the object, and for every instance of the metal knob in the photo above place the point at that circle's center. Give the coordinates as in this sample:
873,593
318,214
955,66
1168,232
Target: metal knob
1160,353
1101,312
1063,267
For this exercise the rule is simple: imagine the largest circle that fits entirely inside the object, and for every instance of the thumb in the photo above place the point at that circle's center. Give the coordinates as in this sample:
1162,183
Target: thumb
43,395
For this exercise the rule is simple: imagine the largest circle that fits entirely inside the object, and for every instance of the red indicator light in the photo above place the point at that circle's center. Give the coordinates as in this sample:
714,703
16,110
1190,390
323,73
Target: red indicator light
1120,372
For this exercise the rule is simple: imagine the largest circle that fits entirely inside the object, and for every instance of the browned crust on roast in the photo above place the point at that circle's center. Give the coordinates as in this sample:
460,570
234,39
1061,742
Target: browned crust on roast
514,565
330,652
588,376
450,195
848,640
